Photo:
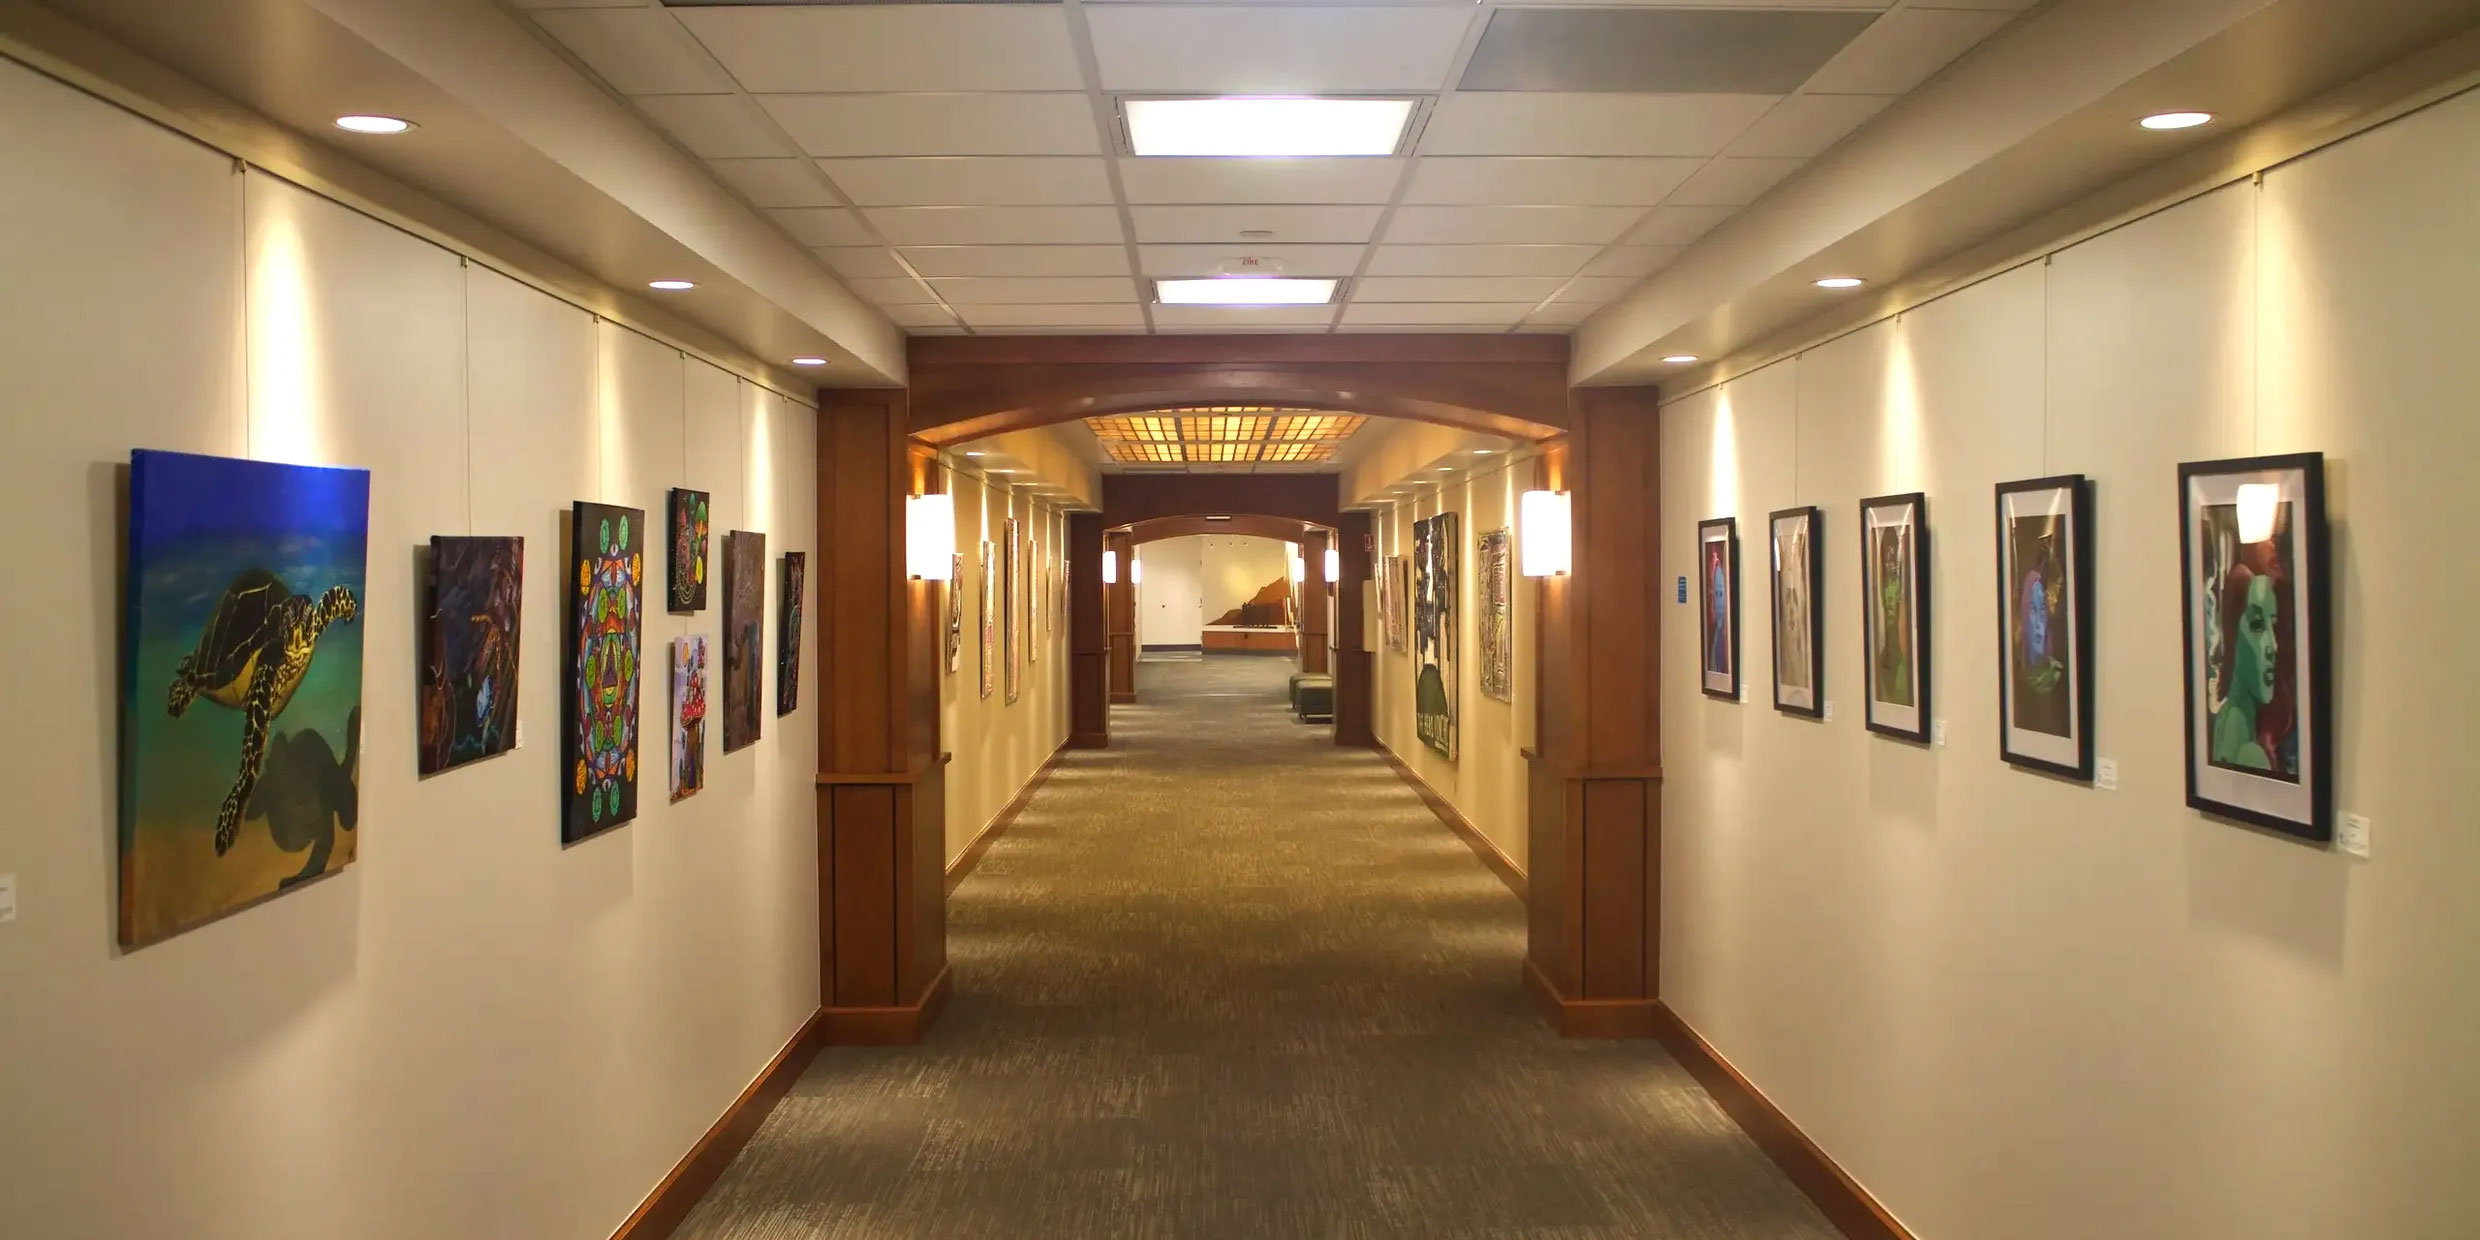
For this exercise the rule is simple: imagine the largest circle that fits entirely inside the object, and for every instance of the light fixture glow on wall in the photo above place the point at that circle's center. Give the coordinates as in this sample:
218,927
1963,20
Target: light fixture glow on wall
1244,291
1549,540
1680,359
2258,502
1839,282
1136,570
2176,120
1300,570
1334,564
1267,127
373,124
929,536
809,361
671,286
1110,567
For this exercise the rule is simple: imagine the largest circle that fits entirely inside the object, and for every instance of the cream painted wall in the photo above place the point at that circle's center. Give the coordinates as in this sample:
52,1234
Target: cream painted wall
471,1031
1486,782
1233,568
1171,600
2017,1006
999,745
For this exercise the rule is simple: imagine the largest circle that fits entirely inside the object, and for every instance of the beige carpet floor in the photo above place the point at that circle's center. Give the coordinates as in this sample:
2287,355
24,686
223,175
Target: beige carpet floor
1225,979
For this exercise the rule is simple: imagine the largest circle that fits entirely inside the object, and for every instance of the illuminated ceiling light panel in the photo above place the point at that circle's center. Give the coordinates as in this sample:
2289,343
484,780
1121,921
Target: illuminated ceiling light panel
1294,126
1245,291
1317,426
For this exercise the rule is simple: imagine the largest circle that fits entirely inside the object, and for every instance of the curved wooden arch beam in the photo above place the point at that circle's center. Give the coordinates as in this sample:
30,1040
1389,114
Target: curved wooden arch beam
1234,525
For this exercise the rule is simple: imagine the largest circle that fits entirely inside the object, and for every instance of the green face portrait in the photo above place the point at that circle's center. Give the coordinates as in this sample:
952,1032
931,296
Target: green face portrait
2253,659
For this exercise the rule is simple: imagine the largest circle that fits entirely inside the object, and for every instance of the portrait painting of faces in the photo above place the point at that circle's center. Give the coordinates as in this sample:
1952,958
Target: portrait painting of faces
1799,623
2252,557
1717,606
1894,582
2045,681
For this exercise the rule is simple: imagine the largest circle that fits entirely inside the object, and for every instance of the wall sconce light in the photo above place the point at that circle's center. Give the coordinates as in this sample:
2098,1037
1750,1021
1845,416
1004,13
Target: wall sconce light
1549,539
2257,503
1136,570
929,536
1110,567
1300,570
1334,565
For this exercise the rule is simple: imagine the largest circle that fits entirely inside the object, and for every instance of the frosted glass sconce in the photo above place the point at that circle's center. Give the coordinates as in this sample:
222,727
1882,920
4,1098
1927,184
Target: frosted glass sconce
929,536
1549,540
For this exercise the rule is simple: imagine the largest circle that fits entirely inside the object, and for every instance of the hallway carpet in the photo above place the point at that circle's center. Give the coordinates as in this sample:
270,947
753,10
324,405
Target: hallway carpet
1225,979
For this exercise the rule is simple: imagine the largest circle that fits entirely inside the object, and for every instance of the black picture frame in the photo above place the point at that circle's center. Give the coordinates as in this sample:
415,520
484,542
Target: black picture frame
1812,625
1727,529
2294,794
1915,506
2077,567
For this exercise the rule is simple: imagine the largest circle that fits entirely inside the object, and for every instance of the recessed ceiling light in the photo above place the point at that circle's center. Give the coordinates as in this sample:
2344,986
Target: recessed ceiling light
1481,452
1262,127
671,286
1839,282
2176,120
972,454
1680,359
373,124
1244,291
1446,469
809,361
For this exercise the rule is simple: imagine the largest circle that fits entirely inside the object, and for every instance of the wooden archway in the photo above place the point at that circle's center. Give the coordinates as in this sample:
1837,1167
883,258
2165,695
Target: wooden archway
1282,529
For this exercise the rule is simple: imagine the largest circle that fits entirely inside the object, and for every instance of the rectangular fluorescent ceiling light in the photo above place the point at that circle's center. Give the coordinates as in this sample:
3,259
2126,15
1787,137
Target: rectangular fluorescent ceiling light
1267,127
1244,291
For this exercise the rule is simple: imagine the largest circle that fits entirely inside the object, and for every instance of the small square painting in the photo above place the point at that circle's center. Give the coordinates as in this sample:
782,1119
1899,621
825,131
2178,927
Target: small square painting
469,650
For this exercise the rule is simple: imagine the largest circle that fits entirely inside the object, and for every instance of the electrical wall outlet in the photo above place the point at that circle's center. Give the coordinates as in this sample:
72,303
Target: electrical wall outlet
2105,774
2353,837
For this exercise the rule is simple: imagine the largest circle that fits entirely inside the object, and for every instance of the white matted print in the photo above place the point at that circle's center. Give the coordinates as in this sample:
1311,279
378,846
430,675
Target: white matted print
2045,673
1799,620
1894,620
1717,606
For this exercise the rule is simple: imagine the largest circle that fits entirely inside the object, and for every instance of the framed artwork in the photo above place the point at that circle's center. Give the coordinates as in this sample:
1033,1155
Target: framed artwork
789,603
1717,607
688,715
989,604
687,589
606,576
1013,657
744,636
1894,620
1498,636
955,612
2045,625
241,684
1399,634
1796,536
474,595
2255,603
1434,551
1386,600
1033,600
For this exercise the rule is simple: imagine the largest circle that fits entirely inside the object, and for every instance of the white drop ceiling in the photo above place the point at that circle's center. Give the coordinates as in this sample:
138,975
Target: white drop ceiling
962,166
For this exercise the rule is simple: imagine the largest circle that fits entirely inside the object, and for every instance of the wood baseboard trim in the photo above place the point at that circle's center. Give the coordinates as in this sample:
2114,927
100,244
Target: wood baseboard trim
1123,697
1840,1198
663,1210
1592,1018
901,1025
1500,863
1001,821
1089,740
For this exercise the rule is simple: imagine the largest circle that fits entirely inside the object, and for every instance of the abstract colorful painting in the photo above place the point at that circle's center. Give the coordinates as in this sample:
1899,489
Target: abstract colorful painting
1717,607
606,619
1498,631
2259,683
1010,639
1894,580
744,636
1399,603
689,510
989,605
2045,681
789,602
468,690
241,684
1795,536
955,612
688,715
1033,600
1435,550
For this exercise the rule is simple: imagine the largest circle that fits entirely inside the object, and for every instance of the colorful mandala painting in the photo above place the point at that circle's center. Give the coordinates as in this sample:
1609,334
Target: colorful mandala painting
607,563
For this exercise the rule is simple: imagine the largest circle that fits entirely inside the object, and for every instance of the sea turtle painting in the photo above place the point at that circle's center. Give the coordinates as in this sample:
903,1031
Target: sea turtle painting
251,656
306,794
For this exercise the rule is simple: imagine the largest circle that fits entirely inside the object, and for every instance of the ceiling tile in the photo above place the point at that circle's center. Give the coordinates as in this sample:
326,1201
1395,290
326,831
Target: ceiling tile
714,126
938,261
1243,317
1510,225
1205,260
637,51
1260,180
823,226
1479,260
971,181
1560,314
1054,290
786,48
1733,182
997,225
862,262
920,316
1225,224
1657,50
1594,290
1808,124
1677,225
936,124
1437,313
1208,49
1486,123
1454,288
775,182
893,291
1547,181
1904,49
1113,315
1633,261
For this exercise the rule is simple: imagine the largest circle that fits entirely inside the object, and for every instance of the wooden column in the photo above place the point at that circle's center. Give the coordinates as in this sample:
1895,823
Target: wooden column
1354,670
1089,639
1316,629
1119,610
882,909
1594,794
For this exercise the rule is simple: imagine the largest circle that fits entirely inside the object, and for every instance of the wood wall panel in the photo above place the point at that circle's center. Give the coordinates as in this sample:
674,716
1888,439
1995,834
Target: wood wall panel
1119,609
1316,603
863,841
1089,637
1131,498
1355,664
1614,889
